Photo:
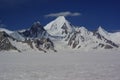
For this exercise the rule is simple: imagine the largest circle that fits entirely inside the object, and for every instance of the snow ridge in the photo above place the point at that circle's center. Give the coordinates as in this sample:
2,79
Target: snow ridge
59,27
60,34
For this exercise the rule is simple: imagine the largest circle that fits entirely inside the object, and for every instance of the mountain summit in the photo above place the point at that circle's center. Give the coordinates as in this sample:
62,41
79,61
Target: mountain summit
56,35
35,31
59,27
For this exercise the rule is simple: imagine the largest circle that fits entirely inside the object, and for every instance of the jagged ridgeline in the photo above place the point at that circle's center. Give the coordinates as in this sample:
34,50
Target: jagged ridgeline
35,37
57,31
5,43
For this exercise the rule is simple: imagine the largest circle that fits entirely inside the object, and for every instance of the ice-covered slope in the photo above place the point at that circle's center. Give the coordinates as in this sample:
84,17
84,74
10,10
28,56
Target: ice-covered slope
17,36
115,37
59,27
82,38
13,34
103,32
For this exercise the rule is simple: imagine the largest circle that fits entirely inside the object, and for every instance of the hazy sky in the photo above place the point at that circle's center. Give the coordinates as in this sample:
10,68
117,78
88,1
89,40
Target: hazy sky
19,14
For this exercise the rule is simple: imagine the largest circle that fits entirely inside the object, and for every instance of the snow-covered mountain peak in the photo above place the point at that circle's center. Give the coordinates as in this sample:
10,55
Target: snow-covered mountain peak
82,30
13,34
101,30
36,25
35,31
57,23
61,18
6,30
59,27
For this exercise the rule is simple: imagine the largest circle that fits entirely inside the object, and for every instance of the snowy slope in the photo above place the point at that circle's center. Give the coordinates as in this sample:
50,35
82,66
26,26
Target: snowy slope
59,27
17,36
22,46
13,34
103,32
82,38
115,37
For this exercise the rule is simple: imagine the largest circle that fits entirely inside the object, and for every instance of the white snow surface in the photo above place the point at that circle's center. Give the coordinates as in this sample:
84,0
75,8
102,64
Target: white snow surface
54,28
103,32
17,36
64,65
115,37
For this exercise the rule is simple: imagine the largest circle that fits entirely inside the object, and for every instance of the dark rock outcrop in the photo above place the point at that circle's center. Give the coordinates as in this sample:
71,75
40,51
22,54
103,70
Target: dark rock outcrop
36,31
5,44
44,44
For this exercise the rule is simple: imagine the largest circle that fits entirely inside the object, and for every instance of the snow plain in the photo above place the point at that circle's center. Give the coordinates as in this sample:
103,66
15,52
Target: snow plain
63,65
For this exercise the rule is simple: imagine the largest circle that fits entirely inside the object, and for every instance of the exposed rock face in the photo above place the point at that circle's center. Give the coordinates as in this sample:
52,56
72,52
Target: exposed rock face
38,35
29,42
59,30
83,38
109,43
5,43
36,31
44,44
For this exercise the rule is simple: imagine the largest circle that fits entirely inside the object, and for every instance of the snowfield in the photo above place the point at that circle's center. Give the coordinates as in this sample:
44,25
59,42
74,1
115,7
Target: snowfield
64,65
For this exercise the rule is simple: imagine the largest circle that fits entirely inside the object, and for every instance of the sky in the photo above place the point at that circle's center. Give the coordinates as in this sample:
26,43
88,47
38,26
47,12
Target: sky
21,14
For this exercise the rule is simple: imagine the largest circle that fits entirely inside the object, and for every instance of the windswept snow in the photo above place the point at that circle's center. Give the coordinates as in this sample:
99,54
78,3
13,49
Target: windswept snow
64,65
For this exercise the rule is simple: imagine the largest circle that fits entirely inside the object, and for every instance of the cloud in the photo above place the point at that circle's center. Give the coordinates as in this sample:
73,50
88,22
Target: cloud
67,13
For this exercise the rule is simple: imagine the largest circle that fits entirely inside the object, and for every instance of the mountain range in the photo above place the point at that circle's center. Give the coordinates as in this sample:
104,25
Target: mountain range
56,35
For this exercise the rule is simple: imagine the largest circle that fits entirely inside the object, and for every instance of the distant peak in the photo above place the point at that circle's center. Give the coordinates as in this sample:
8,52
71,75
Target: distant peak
37,23
101,30
83,28
61,18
